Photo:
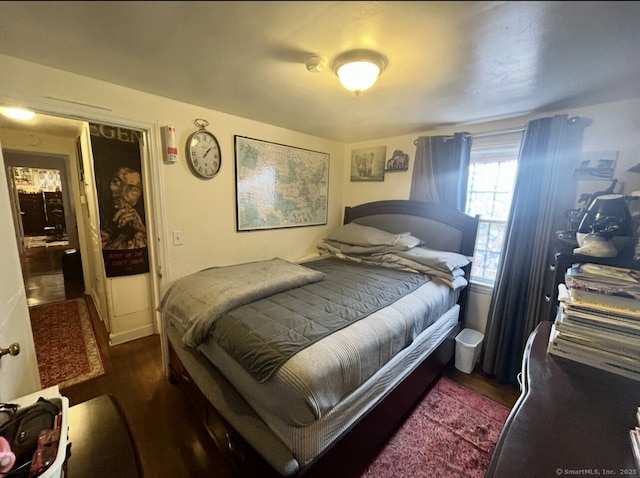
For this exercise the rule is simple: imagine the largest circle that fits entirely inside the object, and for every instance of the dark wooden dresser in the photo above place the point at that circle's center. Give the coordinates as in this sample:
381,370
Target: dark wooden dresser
33,213
570,419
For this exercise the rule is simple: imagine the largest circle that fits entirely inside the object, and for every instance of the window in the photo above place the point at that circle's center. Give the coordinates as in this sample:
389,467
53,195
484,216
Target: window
492,173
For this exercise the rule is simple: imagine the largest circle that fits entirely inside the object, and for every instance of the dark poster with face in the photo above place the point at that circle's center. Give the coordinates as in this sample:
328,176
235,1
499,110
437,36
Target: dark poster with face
117,165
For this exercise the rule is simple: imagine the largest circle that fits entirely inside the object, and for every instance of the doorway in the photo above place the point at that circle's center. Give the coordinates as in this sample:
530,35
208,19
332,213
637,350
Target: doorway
60,135
71,141
45,225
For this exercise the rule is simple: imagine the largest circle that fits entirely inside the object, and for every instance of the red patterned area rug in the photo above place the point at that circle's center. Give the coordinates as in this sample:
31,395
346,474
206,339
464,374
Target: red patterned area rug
451,433
66,346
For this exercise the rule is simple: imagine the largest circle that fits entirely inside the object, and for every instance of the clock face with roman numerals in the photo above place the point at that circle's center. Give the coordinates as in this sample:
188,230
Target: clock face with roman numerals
203,154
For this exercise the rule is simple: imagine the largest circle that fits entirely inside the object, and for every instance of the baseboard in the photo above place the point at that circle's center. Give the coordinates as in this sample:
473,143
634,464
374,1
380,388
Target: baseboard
128,336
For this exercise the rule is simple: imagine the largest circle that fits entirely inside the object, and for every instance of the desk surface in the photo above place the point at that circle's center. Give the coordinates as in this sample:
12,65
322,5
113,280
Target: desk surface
570,419
101,444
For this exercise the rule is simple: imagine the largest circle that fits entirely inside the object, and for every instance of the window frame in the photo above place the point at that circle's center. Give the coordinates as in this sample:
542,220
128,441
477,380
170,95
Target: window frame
492,147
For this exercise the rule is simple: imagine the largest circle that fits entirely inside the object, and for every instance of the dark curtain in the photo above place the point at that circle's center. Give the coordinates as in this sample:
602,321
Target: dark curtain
441,170
544,189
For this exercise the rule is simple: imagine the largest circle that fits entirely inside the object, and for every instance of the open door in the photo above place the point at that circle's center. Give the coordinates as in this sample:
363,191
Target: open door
118,302
19,374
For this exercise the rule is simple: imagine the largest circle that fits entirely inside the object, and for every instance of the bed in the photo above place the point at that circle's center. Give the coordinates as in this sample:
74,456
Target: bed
295,370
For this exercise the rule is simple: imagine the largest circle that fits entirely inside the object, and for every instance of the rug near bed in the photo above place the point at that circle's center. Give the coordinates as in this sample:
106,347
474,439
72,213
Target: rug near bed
451,433
66,347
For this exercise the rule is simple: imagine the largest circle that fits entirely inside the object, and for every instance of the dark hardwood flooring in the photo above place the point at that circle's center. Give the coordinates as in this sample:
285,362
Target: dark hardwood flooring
169,439
43,278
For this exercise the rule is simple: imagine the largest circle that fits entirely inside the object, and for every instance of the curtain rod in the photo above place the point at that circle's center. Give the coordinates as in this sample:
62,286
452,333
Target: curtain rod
488,133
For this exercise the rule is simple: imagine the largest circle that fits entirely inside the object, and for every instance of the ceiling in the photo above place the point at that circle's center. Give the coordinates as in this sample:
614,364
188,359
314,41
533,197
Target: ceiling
450,63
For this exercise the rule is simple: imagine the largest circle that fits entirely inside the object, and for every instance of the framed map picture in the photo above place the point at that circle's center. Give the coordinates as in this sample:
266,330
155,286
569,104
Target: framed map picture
279,186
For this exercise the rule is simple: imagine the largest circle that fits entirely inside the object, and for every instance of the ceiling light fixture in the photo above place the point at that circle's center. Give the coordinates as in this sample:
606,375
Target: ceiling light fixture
18,113
358,70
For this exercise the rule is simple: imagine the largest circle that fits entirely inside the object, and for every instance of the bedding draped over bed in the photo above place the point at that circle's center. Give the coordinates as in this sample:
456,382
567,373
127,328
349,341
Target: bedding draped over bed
194,302
369,245
262,335
262,326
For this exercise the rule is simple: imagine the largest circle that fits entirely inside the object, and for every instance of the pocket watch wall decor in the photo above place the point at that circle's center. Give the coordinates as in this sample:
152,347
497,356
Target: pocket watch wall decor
203,152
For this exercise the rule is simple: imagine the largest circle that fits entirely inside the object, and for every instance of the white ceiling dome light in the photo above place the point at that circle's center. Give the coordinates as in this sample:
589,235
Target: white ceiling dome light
358,70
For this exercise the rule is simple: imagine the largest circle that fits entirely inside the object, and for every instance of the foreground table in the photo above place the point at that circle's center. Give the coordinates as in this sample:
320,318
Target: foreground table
571,419
101,444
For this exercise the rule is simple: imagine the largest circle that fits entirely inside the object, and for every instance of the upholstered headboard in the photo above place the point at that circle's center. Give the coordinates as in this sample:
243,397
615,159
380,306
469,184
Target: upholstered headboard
439,227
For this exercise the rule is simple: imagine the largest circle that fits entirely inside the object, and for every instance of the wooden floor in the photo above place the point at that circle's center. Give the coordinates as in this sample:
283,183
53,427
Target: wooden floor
43,278
169,439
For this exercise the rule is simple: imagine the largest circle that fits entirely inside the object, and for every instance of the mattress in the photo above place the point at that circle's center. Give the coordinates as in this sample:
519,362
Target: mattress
289,448
324,389
306,443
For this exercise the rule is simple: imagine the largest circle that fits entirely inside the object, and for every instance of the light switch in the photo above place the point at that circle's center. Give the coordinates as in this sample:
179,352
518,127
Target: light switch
177,238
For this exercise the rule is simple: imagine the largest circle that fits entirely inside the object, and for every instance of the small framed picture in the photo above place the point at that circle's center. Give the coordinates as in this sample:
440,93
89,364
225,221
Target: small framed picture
399,161
22,176
367,164
596,165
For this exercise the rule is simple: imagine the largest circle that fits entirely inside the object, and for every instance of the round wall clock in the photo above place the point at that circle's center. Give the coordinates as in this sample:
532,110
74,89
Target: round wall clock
203,152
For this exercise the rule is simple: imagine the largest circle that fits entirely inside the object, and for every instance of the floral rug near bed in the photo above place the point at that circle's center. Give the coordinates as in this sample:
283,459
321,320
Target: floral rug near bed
451,433
66,346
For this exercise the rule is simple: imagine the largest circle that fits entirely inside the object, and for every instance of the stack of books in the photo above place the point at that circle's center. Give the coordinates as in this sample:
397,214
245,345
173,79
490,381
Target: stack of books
598,321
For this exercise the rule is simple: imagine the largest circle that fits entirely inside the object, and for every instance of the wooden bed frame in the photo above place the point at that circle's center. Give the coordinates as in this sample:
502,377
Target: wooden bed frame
356,448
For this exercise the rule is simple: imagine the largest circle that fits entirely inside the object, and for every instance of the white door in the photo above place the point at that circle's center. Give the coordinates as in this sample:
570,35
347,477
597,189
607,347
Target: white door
18,373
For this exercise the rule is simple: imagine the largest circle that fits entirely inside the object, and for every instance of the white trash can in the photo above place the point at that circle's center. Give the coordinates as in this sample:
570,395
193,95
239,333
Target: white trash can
468,344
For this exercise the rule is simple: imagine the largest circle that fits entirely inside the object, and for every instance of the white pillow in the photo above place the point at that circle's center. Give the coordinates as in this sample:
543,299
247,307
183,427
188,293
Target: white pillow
358,235
442,260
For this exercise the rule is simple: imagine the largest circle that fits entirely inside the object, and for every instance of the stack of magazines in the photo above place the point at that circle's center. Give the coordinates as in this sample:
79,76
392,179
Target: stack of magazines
598,321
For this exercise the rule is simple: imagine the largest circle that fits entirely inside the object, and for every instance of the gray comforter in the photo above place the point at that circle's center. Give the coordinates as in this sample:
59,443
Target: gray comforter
194,302
262,313
263,334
